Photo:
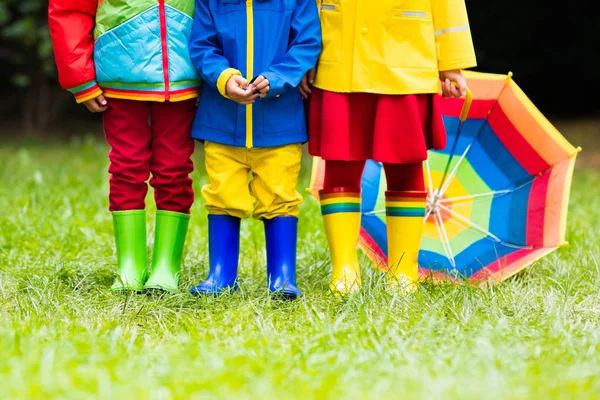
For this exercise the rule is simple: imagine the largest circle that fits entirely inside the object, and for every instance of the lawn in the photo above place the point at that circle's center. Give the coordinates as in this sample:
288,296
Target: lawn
63,334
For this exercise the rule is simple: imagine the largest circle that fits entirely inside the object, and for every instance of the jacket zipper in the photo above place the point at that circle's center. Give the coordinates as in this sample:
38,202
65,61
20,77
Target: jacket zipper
165,49
249,67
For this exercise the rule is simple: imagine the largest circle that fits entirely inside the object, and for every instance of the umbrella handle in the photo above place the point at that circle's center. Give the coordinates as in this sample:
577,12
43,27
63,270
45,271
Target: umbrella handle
467,105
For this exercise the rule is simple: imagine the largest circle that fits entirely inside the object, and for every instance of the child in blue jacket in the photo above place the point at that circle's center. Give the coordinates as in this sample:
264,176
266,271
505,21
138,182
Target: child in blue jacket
252,56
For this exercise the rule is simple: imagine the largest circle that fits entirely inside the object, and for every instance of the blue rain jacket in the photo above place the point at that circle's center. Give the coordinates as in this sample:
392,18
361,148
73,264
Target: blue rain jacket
279,39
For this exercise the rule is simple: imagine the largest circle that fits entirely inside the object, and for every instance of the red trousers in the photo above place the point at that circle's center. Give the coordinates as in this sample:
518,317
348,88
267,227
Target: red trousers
400,177
150,138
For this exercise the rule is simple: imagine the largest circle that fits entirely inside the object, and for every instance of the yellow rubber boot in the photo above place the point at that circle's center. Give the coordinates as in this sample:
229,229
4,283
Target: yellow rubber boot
341,215
404,222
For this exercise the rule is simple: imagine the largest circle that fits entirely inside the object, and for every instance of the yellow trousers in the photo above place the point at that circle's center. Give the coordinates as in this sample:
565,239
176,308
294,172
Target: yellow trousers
259,182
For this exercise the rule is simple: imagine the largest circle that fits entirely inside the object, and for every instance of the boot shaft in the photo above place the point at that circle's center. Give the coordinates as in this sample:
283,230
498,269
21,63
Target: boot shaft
224,254
341,210
281,234
132,257
405,212
169,241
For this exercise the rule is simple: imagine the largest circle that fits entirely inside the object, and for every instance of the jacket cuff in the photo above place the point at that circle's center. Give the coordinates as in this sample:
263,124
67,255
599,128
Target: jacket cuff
276,90
85,92
224,78
464,63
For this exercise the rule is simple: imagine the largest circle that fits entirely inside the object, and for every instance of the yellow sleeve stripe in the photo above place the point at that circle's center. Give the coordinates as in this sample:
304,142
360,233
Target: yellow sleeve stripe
452,30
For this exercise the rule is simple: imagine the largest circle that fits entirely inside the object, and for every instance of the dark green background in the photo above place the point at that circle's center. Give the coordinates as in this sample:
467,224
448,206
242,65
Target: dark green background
551,51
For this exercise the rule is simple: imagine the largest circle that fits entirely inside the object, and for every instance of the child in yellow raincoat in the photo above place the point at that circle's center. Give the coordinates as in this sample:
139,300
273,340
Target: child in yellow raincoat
375,96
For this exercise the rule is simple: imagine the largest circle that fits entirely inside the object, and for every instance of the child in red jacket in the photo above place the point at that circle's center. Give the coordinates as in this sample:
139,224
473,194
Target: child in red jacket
130,62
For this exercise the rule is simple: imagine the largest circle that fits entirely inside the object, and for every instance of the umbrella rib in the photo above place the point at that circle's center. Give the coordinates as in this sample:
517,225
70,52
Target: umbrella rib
493,193
439,223
428,214
450,178
485,232
470,223
431,193
446,183
429,176
455,200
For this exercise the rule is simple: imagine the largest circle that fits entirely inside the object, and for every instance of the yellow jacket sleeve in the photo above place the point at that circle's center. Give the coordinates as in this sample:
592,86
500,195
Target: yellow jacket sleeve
455,48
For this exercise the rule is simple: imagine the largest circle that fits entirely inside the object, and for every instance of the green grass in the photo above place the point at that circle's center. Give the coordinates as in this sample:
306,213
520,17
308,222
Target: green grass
63,334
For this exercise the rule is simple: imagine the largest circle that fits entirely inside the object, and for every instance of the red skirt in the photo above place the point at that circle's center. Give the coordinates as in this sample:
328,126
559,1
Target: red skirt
394,129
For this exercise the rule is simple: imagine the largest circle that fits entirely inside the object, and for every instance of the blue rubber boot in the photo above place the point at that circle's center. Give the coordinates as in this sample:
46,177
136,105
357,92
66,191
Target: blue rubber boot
281,236
224,254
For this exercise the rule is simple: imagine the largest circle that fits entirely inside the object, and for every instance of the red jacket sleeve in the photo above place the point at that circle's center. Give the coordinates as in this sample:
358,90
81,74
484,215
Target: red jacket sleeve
71,28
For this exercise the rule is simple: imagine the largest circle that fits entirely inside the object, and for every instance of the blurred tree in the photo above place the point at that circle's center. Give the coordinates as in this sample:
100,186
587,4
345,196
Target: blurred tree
27,60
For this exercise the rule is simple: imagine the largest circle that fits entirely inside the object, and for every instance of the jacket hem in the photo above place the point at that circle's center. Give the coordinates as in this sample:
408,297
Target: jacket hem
371,90
382,79
155,96
458,64
229,139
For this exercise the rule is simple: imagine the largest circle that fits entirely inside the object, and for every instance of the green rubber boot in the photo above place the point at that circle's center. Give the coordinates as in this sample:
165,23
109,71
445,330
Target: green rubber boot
130,239
169,239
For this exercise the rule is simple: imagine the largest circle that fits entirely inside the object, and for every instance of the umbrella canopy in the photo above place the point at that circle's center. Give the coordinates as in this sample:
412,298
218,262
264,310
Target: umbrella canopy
498,194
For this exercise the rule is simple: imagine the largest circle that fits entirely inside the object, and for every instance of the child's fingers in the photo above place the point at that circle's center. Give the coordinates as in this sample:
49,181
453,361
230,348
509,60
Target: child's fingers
304,88
237,91
264,93
462,87
93,106
311,75
259,79
446,88
240,80
456,92
262,84
244,100
101,100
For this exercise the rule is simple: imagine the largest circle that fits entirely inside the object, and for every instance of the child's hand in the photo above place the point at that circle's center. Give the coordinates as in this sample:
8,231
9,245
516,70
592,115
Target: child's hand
448,89
239,91
307,82
96,105
262,85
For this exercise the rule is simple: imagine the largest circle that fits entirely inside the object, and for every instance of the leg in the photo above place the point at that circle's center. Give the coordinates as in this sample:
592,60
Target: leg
405,177
128,133
228,200
276,173
171,166
172,149
340,206
343,174
405,210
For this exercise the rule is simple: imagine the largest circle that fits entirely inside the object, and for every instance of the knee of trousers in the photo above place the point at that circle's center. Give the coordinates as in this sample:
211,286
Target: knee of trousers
230,201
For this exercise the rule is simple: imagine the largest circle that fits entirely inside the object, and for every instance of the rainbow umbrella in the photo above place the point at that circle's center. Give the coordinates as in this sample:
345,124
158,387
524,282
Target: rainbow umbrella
497,195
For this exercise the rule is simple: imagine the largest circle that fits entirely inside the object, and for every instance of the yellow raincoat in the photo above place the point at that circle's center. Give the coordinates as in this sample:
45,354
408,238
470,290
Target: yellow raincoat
392,46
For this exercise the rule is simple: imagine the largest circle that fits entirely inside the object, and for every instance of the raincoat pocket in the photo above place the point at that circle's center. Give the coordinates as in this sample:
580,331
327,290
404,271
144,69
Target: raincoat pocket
331,25
409,39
